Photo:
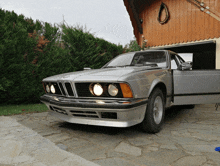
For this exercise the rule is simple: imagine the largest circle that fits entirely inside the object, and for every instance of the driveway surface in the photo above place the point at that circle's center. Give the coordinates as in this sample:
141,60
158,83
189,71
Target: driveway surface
189,137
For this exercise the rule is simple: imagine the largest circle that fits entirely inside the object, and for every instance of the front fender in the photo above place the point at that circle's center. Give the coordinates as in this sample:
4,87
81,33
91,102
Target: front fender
153,85
143,82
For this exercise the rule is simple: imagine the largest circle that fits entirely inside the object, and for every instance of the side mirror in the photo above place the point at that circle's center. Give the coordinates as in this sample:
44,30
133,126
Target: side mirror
86,68
191,63
185,66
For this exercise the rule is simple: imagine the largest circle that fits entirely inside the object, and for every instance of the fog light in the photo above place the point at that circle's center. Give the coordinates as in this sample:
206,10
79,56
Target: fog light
100,102
55,98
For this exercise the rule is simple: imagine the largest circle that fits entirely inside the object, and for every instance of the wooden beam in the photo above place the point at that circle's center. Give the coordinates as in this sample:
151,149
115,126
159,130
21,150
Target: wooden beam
136,16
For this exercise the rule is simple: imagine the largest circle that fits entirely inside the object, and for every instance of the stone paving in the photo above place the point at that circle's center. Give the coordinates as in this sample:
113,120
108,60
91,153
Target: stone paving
189,137
21,146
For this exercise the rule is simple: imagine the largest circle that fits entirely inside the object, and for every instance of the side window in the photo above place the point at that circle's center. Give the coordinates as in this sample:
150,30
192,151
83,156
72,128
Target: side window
173,62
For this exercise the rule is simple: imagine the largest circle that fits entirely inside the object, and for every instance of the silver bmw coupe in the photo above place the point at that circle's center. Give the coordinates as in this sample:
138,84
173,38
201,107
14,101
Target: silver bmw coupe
133,88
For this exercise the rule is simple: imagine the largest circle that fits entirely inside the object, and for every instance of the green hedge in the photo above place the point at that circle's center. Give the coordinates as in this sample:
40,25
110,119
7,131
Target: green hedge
14,44
86,50
23,64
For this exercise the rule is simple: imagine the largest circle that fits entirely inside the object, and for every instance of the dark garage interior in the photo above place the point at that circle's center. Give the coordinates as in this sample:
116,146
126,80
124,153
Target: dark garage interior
204,53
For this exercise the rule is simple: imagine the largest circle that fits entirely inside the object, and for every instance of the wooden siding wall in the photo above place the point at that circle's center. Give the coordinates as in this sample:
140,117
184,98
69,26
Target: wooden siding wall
187,23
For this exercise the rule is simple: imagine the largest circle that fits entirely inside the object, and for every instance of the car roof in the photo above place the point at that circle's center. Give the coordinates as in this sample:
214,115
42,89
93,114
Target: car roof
148,51
153,50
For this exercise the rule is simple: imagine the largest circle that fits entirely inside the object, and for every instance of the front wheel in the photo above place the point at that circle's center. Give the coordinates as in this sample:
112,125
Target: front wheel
154,116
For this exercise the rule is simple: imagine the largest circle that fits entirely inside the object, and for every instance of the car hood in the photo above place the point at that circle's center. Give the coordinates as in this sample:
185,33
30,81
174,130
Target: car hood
106,74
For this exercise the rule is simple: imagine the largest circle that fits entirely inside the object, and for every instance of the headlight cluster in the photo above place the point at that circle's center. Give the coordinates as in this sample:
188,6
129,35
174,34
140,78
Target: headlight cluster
97,89
112,89
50,89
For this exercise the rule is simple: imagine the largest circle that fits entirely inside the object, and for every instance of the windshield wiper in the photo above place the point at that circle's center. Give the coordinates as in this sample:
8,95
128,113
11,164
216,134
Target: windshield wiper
110,67
123,66
116,66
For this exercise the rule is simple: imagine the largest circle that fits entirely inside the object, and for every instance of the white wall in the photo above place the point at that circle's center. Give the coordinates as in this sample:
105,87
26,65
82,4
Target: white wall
187,56
217,53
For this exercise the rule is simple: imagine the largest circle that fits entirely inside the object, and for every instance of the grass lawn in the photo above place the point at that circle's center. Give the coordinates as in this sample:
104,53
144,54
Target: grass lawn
21,109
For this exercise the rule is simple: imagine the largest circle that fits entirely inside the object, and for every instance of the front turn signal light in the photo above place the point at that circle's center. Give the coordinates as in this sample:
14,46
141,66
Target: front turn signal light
126,90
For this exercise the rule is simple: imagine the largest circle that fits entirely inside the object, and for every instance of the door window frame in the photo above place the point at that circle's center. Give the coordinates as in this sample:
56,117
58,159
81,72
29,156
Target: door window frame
178,61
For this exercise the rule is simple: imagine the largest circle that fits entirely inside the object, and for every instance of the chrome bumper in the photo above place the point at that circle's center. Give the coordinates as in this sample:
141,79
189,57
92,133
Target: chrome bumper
115,113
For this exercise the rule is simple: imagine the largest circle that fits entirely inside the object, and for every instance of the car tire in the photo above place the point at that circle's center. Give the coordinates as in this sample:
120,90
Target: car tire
154,115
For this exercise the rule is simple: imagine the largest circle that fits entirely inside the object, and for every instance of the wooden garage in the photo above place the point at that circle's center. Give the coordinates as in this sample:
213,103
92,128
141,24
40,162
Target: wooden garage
184,26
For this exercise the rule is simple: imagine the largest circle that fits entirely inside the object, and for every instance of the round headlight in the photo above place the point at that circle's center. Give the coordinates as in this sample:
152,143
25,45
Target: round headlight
112,90
47,88
97,89
52,89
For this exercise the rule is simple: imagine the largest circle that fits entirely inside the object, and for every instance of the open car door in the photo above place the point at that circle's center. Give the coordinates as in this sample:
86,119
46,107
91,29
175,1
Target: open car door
194,86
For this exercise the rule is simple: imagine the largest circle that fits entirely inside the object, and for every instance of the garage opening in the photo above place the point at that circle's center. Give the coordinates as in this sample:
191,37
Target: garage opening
203,54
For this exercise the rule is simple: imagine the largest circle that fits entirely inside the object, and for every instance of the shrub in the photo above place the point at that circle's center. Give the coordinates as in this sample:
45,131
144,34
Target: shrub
132,46
23,48
30,51
87,50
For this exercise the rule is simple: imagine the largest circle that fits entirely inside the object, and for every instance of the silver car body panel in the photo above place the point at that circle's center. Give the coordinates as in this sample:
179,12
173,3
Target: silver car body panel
125,117
196,86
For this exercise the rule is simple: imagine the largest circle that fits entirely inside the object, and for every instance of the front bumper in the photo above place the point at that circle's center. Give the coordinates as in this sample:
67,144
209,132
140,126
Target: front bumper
100,112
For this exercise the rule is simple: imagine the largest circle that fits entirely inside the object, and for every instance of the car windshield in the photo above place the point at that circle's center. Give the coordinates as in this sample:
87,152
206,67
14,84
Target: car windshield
150,59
